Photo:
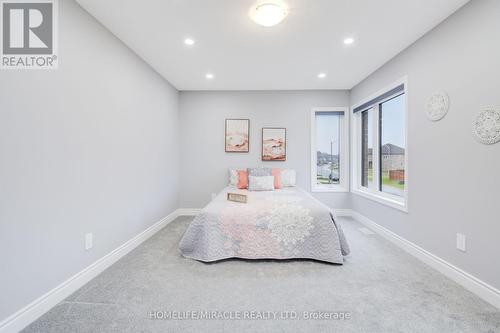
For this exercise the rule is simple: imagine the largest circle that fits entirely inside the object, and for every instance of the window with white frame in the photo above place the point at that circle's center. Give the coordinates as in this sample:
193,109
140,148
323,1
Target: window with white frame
380,147
329,149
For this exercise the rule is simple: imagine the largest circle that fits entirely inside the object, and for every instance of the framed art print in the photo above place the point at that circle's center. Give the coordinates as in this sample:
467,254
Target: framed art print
273,144
237,138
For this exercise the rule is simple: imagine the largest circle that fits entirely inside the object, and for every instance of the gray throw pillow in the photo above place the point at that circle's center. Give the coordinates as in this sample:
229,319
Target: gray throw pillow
258,172
262,183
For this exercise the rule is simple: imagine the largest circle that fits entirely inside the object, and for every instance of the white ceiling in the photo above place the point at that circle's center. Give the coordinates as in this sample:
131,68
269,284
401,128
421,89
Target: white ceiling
245,56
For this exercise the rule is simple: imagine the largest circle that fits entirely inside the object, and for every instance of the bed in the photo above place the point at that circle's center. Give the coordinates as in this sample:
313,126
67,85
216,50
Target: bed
282,224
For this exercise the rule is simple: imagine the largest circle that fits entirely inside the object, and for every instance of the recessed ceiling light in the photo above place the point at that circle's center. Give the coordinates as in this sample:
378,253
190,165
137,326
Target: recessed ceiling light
268,13
348,41
321,75
209,76
189,41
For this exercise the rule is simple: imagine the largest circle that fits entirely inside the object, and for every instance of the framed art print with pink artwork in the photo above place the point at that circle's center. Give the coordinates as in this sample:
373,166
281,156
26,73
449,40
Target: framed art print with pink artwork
273,144
237,138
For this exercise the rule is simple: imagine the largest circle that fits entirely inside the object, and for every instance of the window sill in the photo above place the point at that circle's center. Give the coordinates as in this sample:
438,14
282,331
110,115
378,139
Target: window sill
336,189
396,203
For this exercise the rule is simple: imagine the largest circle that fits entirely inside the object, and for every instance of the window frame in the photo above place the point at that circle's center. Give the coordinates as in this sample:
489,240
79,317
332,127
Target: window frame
374,193
344,152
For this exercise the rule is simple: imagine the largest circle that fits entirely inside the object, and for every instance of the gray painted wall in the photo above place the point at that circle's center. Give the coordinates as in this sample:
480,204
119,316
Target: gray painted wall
204,162
94,147
454,181
90,147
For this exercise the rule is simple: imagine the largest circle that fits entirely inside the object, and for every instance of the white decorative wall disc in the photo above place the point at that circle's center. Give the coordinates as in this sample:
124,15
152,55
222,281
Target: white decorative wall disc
437,106
487,126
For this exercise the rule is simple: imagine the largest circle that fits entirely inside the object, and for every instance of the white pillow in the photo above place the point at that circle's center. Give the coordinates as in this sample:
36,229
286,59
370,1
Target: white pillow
288,177
233,175
261,183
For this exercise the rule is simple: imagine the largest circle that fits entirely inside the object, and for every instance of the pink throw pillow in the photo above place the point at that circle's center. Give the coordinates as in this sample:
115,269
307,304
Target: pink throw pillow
277,177
242,179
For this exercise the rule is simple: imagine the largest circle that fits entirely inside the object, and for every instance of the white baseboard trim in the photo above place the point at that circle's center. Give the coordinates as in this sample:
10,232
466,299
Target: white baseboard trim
485,291
188,211
342,212
44,303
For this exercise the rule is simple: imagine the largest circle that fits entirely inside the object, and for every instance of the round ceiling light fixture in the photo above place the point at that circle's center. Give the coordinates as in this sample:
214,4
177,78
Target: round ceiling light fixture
348,41
189,41
268,13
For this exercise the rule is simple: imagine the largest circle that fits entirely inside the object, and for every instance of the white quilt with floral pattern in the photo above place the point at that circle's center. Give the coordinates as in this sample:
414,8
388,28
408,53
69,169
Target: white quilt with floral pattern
281,224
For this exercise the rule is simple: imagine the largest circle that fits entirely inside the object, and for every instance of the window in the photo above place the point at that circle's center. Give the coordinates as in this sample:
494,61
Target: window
392,146
379,147
329,150
367,148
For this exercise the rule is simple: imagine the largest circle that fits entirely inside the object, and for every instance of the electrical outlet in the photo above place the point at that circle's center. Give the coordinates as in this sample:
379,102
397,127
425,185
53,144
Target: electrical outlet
214,195
461,242
88,241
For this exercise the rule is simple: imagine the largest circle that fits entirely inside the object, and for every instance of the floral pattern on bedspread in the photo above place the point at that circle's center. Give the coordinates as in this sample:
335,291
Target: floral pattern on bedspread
289,223
243,237
282,224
